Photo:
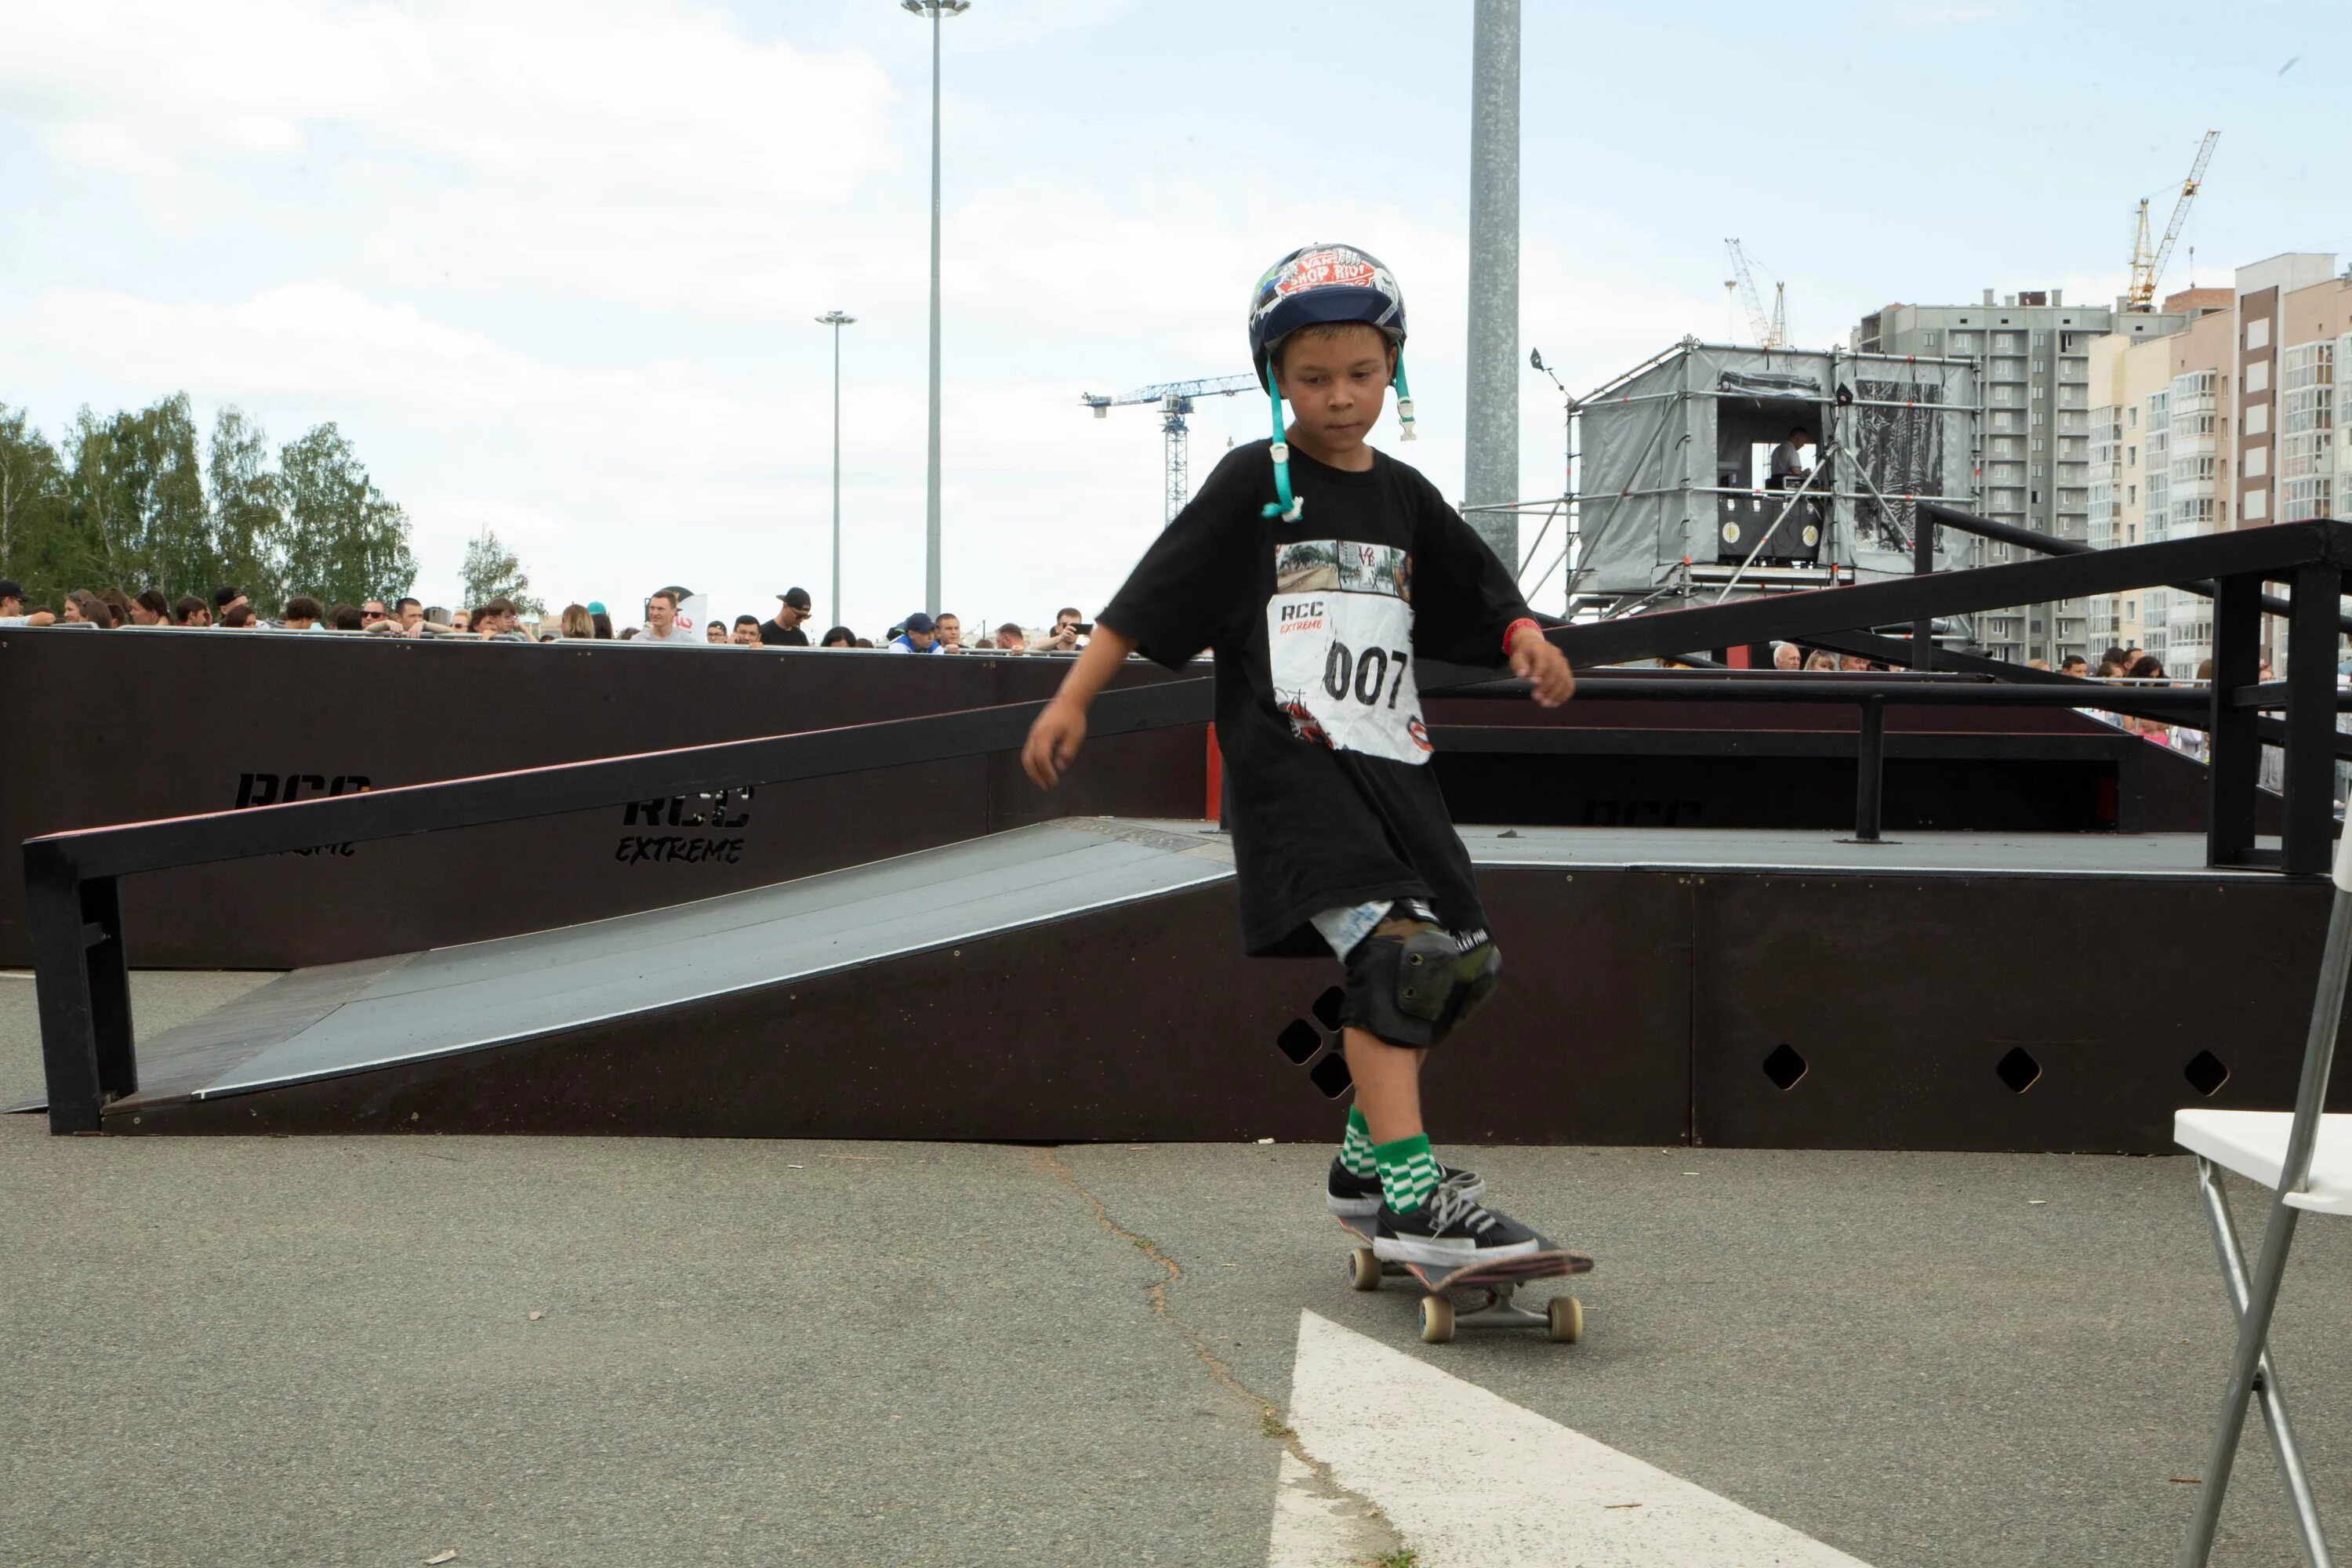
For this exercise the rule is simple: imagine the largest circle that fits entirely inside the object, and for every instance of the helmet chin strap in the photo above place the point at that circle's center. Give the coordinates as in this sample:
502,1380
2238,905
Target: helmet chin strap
1404,402
1288,508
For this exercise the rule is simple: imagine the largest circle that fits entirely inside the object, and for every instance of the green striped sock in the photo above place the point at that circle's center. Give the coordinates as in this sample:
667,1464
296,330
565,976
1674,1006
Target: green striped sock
1408,1171
1356,1148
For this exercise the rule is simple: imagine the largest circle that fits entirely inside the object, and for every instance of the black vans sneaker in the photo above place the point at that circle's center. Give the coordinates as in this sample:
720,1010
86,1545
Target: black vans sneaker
1451,1230
1351,1196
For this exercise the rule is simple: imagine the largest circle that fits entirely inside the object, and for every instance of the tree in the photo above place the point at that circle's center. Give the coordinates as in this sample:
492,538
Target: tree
492,571
247,517
32,505
343,542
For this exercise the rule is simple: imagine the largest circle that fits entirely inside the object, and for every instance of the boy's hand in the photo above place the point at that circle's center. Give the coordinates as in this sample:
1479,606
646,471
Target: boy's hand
1054,742
1535,659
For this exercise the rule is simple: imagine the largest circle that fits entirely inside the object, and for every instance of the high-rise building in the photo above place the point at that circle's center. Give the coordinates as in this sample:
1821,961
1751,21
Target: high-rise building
2033,354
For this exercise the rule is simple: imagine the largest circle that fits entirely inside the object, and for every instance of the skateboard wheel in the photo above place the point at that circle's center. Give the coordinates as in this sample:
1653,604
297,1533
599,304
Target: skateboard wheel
1364,1269
1566,1316
1436,1319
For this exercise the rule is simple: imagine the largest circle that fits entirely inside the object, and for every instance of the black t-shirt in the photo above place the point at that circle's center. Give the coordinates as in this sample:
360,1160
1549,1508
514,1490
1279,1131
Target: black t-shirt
775,635
1316,626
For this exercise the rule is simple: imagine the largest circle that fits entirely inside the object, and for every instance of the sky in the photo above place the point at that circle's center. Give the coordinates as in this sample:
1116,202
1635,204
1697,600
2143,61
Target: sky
554,268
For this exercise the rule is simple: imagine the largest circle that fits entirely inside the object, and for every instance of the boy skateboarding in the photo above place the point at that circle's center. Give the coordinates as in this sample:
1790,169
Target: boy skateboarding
1320,573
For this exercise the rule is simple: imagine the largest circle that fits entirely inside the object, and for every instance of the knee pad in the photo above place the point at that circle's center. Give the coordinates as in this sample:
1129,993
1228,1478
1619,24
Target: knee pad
1411,987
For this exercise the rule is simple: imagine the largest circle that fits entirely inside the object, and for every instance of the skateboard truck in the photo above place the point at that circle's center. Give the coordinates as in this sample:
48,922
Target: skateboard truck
1493,1284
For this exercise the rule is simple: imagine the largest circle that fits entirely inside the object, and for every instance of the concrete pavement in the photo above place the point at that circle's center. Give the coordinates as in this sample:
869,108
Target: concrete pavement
324,1351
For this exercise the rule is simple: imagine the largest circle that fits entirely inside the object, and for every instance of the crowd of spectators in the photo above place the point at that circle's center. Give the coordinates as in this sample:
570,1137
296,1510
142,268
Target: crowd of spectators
500,620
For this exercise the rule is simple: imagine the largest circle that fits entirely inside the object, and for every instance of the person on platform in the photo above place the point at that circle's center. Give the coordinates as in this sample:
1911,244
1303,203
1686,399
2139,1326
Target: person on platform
239,617
302,614
348,618
917,634
602,619
223,598
838,637
1789,466
747,633
188,610
575,626
1821,659
783,630
1787,656
2072,665
1321,573
950,630
1011,638
714,632
150,609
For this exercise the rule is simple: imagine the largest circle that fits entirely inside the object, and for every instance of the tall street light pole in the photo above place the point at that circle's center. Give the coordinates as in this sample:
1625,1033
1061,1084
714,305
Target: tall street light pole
1493,436
936,10
836,321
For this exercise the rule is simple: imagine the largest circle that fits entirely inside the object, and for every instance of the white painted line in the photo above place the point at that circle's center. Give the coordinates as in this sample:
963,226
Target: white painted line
1317,1526
1471,1480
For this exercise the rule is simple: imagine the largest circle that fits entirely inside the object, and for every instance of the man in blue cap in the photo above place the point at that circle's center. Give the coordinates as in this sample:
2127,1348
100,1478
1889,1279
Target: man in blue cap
917,635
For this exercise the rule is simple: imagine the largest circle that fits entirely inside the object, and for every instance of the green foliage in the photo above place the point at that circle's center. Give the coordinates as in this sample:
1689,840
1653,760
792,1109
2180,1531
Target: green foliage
343,543
126,501
492,571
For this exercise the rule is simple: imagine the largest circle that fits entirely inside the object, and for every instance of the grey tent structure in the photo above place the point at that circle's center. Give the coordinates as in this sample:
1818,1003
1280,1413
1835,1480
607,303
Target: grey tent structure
1673,497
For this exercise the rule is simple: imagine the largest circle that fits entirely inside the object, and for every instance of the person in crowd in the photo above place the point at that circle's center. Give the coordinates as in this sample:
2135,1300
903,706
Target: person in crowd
459,620
408,615
2205,671
1821,659
577,624
349,618
1850,662
498,621
629,634
1011,638
371,613
188,610
2072,665
863,642
2037,664
661,620
150,609
715,631
2150,668
86,608
838,637
2132,655
918,633
1787,656
602,619
2109,669
223,598
239,617
747,632
2115,655
120,603
12,608
948,627
1066,636
784,631
303,614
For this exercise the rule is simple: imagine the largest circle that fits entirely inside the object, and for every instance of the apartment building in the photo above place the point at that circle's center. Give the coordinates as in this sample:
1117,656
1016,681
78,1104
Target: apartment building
2130,461
2033,351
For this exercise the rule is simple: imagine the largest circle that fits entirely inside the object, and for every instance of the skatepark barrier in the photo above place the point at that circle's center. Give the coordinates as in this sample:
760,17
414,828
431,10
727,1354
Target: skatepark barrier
74,911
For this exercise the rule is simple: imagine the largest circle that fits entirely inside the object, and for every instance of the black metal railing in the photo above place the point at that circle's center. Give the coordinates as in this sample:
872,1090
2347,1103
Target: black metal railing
74,907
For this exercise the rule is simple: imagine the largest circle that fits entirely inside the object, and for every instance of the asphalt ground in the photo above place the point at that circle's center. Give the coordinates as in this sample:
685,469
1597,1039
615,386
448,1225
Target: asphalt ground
601,1350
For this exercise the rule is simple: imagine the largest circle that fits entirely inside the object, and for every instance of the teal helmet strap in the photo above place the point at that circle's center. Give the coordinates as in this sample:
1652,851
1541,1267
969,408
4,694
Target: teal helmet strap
1288,508
1404,400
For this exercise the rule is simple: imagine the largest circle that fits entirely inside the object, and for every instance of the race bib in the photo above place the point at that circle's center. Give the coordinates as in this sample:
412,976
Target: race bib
1339,642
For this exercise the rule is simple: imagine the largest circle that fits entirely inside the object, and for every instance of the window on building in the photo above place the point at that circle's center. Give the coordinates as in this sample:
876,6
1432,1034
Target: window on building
2131,416
2131,495
2258,419
1928,339
2258,333
2131,457
2258,377
2257,462
2256,506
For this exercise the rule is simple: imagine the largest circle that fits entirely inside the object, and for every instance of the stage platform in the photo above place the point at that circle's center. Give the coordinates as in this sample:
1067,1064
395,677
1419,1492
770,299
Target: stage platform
1079,980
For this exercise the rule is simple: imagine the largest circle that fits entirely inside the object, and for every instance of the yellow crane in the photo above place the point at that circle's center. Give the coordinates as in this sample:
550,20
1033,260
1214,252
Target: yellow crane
1771,332
2147,264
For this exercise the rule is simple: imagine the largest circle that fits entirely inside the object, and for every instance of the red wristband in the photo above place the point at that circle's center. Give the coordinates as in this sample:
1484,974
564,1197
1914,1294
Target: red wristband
1512,630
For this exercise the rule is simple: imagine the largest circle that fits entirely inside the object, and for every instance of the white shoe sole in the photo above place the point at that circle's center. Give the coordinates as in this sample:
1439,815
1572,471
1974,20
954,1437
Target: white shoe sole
1443,1255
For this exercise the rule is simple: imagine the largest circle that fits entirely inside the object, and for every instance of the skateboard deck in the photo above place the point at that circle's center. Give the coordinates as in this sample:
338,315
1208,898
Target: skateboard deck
1562,1320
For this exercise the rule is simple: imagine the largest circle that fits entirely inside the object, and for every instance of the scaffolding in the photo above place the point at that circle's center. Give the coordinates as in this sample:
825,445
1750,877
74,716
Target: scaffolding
1668,496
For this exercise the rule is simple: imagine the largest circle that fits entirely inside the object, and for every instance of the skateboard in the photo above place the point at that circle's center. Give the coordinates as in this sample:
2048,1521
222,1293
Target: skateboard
1562,1319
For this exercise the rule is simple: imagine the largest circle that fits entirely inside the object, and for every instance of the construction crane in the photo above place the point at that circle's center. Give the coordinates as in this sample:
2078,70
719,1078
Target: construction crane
1771,332
2147,264
1175,401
